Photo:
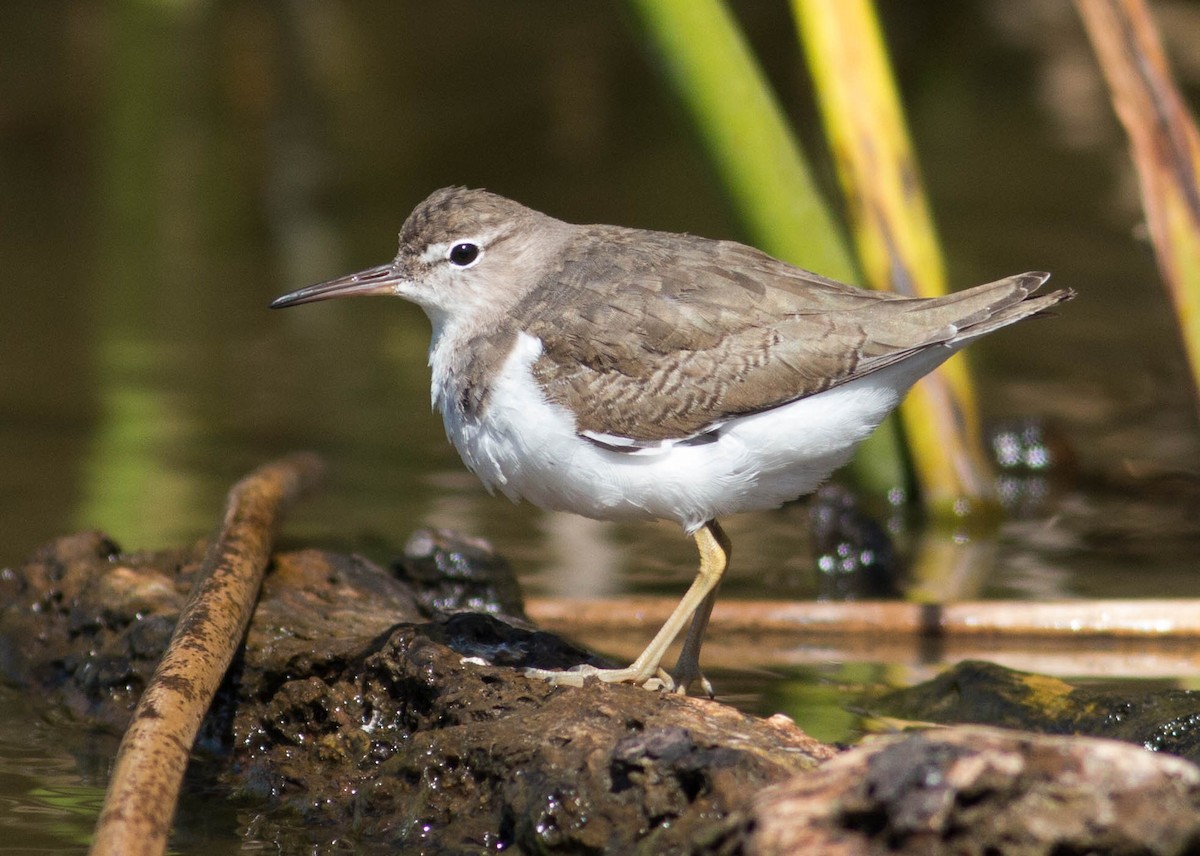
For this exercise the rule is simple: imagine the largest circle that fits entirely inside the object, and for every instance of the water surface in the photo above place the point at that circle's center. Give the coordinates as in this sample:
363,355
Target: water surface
167,169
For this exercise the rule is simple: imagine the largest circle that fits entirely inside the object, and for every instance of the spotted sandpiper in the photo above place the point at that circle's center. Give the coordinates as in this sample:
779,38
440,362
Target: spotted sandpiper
625,374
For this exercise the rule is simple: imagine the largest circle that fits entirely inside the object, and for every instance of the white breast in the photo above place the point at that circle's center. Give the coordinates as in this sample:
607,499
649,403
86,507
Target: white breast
528,448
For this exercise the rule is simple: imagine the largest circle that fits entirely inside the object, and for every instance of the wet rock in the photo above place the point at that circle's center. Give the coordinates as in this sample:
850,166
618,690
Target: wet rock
485,639
455,573
975,790
80,623
352,718
435,747
981,692
85,623
352,711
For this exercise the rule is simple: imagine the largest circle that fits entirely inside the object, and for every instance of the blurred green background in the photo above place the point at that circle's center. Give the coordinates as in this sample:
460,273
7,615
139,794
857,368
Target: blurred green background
166,168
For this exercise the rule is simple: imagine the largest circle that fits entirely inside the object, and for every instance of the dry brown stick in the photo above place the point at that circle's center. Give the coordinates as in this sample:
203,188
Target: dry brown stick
1165,145
1158,619
140,803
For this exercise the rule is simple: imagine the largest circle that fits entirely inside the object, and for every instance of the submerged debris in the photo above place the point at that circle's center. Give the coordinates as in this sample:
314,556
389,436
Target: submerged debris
354,715
980,692
352,710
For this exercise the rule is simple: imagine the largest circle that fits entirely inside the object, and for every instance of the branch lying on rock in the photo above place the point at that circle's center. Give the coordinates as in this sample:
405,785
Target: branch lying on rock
366,710
1145,619
139,805
1081,638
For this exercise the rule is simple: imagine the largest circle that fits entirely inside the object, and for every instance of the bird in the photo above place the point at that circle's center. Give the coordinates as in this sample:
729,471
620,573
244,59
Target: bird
629,374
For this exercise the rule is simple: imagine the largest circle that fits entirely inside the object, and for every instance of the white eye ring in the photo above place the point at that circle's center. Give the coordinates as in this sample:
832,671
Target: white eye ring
464,254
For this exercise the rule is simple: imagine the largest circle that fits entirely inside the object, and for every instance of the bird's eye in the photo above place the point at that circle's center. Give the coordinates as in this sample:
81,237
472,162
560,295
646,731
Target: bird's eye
463,255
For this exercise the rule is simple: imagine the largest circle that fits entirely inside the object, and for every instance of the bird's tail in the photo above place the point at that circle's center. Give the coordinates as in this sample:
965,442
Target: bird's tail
980,310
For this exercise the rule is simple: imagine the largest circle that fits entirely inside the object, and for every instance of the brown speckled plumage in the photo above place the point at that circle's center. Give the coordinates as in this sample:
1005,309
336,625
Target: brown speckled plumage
657,336
559,348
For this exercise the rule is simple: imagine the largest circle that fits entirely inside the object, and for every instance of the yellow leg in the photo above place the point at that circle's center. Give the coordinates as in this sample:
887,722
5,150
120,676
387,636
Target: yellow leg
696,605
715,551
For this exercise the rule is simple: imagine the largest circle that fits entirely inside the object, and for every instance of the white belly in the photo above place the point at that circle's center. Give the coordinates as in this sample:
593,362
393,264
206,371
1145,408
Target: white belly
527,448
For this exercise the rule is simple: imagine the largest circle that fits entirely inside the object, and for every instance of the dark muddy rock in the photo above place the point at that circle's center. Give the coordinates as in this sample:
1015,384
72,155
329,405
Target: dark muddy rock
977,791
85,624
451,572
981,692
355,710
365,712
479,756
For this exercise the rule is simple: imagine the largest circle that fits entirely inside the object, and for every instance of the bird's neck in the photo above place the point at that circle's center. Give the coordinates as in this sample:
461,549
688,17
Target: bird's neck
462,360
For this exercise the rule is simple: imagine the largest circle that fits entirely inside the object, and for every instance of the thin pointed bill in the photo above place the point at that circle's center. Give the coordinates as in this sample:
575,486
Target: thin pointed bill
377,280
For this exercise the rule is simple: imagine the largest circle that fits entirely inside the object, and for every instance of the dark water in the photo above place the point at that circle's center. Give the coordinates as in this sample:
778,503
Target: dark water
167,169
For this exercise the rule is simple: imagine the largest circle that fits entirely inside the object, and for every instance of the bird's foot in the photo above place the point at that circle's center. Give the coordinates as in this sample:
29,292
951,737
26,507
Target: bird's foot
574,677
683,678
686,673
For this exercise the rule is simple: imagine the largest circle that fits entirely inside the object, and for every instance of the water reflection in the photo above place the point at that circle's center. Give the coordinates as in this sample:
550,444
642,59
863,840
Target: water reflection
49,799
232,158
168,168
130,476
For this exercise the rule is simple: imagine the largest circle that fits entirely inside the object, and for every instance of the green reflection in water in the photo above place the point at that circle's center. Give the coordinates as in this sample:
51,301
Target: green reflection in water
128,483
49,795
66,813
820,700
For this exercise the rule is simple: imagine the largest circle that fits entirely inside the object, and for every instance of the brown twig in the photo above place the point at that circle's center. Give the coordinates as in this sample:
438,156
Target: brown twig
1103,638
1073,618
1165,145
140,803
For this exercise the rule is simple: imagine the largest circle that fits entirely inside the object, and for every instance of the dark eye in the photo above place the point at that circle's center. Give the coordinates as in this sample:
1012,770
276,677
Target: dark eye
463,254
